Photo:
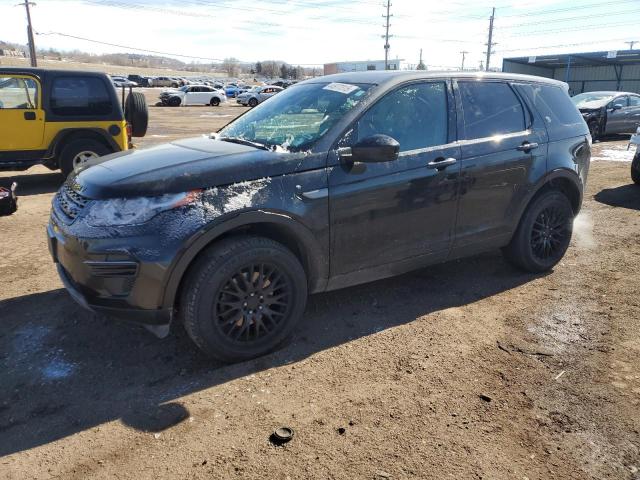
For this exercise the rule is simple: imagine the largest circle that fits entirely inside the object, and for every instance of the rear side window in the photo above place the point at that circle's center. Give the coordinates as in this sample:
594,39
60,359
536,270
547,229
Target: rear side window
560,114
415,115
490,108
80,96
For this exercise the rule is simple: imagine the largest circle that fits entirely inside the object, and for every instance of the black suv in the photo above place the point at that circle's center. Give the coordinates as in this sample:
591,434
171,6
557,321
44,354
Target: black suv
336,181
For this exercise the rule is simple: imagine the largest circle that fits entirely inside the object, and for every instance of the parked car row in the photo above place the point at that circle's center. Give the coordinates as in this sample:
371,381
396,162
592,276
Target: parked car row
609,113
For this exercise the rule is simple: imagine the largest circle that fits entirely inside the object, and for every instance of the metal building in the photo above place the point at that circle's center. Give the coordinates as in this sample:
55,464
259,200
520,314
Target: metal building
363,65
584,72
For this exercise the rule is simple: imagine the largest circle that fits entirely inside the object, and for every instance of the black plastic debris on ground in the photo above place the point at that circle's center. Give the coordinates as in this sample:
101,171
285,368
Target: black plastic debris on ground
8,199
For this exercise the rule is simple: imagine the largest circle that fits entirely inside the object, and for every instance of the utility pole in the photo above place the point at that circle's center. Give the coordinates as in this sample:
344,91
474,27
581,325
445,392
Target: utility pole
490,43
631,44
464,52
421,65
32,45
386,36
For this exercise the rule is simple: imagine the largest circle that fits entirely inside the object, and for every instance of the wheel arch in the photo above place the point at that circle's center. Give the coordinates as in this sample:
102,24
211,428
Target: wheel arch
561,179
67,135
276,226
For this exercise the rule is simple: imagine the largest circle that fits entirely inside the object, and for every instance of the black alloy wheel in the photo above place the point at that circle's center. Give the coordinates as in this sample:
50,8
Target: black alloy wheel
253,302
550,232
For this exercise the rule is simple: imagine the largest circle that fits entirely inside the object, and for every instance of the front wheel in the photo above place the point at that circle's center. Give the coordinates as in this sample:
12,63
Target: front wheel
243,298
635,168
594,131
544,233
253,102
215,101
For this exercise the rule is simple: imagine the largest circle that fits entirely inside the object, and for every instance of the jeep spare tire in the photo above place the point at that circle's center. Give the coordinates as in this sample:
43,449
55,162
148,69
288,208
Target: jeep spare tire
137,114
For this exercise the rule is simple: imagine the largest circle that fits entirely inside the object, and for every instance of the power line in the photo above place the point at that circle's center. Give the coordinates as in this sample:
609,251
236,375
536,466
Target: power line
610,40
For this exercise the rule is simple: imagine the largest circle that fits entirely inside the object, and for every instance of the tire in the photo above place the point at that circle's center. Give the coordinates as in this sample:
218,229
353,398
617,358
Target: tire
137,114
594,130
69,159
253,102
174,101
544,233
216,291
635,168
215,102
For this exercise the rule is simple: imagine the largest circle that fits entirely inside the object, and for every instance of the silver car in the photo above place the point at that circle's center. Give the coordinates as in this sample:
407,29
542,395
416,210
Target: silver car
257,95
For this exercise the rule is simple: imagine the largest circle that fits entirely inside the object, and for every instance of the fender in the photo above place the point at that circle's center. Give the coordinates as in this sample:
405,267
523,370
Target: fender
565,174
315,260
62,134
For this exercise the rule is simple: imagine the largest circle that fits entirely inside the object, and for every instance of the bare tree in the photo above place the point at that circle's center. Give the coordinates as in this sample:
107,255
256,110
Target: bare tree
231,66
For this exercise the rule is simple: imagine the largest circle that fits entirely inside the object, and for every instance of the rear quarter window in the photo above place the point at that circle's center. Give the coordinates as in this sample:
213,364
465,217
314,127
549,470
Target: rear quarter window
561,116
80,96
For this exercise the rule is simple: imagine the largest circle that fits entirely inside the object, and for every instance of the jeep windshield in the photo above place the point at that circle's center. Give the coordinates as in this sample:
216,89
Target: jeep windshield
297,117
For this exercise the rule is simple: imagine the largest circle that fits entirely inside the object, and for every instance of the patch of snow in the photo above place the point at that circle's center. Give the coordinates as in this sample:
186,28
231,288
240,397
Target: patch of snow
244,194
614,155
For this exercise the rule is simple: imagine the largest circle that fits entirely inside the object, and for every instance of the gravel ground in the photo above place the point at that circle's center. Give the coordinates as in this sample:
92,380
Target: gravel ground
469,369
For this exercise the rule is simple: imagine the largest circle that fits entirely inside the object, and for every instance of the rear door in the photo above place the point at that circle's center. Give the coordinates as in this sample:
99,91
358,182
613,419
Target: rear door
632,114
500,145
383,213
21,115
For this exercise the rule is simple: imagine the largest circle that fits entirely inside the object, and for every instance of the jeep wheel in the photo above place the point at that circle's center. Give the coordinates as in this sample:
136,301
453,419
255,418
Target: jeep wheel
174,102
215,102
635,169
544,233
253,102
77,152
243,298
137,114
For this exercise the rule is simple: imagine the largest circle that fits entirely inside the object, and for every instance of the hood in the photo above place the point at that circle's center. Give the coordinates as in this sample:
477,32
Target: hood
186,165
593,105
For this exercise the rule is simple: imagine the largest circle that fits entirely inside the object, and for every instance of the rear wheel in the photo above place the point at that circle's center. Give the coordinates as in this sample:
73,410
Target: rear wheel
253,102
77,152
243,298
635,168
544,233
215,101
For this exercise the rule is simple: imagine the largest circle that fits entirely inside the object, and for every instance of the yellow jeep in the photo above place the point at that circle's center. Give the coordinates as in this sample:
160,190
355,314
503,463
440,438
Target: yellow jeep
62,118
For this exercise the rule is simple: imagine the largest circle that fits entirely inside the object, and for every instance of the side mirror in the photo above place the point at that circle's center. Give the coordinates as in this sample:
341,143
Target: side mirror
373,149
616,106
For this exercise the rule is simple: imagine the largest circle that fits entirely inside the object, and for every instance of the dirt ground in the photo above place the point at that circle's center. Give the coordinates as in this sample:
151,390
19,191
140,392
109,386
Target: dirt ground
465,370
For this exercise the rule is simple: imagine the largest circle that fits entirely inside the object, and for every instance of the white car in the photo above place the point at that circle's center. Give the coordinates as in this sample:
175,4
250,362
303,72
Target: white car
257,95
123,82
193,95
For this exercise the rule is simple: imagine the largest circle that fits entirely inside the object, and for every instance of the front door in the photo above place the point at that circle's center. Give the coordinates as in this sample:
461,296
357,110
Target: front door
501,142
384,213
616,115
21,114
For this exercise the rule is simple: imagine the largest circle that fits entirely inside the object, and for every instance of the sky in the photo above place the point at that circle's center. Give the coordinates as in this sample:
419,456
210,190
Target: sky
313,32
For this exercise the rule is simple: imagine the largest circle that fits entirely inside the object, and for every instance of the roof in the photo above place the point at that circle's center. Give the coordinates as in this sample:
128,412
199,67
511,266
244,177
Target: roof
588,59
392,60
612,93
377,77
42,72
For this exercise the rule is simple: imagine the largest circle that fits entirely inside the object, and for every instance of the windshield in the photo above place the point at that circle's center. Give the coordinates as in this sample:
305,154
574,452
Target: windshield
589,99
297,117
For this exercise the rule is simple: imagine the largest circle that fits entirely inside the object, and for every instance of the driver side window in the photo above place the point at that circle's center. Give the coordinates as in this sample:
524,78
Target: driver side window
18,93
415,116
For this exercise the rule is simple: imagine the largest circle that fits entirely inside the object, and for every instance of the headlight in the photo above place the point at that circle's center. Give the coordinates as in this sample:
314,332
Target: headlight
135,211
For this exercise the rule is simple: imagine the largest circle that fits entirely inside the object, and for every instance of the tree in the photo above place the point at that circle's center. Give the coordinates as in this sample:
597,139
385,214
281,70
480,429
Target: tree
258,68
284,71
231,66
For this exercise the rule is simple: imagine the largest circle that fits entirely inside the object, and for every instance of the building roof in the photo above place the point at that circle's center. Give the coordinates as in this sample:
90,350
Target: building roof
377,77
588,59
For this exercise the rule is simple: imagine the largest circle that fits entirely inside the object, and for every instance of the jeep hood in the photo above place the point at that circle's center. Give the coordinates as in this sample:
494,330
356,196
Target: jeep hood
186,165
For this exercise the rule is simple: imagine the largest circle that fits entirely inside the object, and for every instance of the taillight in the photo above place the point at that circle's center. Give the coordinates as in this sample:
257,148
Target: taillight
129,131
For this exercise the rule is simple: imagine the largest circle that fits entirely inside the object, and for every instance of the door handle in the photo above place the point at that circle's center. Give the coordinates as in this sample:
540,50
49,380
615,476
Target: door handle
526,146
442,163
29,115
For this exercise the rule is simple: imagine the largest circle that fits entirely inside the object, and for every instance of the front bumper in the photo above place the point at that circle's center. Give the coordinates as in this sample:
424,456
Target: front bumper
100,276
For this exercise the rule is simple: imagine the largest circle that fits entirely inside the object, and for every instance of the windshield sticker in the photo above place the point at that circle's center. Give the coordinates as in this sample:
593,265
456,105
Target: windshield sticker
341,87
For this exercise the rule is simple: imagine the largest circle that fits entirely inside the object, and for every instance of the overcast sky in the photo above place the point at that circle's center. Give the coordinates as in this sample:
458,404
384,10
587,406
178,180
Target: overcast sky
322,31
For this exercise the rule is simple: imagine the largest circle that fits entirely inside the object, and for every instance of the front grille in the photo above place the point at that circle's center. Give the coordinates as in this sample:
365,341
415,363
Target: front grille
112,269
70,202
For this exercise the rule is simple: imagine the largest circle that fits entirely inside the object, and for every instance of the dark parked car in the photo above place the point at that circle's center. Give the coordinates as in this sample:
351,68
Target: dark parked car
140,80
609,113
336,181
